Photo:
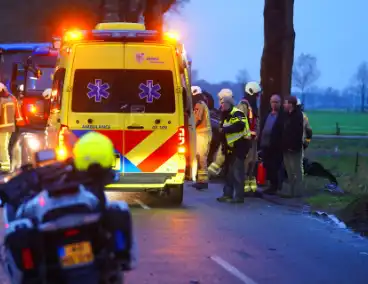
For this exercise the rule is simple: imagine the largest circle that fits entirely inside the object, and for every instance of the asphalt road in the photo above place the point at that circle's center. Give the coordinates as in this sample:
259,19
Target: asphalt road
254,243
204,242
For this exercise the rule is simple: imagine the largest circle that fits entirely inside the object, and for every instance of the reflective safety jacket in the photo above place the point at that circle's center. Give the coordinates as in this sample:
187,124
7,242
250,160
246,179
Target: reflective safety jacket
236,127
245,107
202,118
18,114
307,129
10,114
7,114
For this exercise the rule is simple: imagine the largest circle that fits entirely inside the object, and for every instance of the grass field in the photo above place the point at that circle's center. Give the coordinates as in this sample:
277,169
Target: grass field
350,123
338,156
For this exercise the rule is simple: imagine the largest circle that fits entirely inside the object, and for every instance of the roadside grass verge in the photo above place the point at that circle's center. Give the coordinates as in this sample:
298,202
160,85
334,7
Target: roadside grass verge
339,157
350,123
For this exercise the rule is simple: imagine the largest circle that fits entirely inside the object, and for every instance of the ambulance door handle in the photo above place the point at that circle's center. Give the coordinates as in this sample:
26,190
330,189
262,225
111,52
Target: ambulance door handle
135,127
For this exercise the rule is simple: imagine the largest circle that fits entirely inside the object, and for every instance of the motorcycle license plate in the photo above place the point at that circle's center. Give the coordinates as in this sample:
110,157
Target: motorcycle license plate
117,166
76,254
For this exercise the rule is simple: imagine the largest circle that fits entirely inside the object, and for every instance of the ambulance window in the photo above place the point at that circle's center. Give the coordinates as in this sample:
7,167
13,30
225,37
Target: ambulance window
58,85
154,89
102,90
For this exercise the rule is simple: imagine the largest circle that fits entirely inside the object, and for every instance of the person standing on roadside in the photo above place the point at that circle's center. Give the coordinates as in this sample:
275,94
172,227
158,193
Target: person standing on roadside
270,142
252,91
7,126
307,129
235,129
203,135
292,143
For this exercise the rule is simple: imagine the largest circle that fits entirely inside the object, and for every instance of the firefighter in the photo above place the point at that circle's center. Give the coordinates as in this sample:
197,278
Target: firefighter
249,106
204,136
7,126
235,129
19,122
307,133
214,169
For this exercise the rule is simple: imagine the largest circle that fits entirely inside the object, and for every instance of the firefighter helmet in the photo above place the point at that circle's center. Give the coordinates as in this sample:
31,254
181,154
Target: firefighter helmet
47,93
252,88
196,90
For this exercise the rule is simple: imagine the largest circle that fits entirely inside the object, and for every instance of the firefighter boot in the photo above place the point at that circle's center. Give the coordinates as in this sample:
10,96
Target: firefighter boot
254,187
200,185
247,188
253,184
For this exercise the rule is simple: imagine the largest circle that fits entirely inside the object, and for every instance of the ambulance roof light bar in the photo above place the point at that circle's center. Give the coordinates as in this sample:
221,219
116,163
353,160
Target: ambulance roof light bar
106,34
80,35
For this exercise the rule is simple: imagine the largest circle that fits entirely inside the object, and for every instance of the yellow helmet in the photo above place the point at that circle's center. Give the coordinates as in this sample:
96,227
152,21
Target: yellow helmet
93,148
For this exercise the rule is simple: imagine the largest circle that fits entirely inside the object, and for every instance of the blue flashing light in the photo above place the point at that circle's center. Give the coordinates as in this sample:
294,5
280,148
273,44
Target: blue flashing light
43,50
23,46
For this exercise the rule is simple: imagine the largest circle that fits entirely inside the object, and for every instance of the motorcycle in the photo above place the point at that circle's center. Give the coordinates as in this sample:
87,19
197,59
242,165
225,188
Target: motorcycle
60,229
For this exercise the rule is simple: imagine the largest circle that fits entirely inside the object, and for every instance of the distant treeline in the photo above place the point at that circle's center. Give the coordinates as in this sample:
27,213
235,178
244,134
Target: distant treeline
316,98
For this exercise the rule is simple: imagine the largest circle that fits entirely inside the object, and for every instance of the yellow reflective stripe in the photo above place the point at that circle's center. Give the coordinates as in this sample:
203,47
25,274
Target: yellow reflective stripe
234,120
231,138
214,166
208,117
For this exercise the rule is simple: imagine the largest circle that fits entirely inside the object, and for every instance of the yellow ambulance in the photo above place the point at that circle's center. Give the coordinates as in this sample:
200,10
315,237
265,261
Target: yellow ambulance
132,85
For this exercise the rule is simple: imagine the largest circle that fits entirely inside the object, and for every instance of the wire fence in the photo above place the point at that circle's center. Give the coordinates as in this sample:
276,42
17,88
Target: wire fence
345,158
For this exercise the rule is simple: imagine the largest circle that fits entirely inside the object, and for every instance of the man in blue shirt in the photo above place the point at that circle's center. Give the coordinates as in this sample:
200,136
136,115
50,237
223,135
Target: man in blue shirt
270,142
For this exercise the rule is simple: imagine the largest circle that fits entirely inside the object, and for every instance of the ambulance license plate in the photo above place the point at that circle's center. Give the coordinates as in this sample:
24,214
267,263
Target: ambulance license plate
76,254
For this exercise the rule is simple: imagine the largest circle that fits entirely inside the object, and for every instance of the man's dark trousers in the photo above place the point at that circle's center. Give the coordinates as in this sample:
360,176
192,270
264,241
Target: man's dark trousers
235,175
272,161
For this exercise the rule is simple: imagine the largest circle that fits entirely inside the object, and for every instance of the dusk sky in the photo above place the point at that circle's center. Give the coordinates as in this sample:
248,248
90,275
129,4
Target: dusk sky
223,38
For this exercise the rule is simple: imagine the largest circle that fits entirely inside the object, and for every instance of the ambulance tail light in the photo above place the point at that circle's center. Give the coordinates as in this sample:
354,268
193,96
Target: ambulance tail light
61,150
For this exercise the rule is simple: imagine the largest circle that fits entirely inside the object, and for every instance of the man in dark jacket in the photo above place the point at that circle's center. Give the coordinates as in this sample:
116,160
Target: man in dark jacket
270,143
292,146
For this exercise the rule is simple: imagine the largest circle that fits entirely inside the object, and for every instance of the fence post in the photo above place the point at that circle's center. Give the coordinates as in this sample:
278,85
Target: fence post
357,162
337,129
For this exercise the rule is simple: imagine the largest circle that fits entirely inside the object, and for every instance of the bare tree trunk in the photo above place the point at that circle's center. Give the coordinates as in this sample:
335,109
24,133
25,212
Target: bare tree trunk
153,15
278,50
288,47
